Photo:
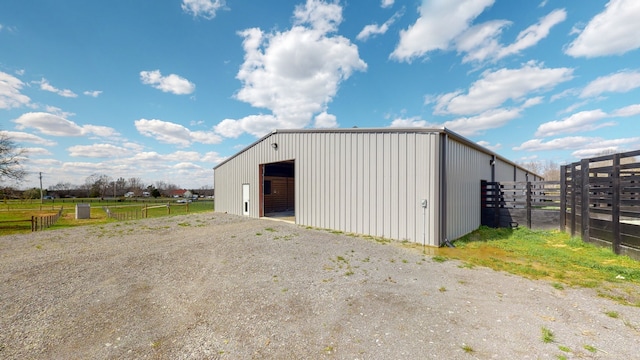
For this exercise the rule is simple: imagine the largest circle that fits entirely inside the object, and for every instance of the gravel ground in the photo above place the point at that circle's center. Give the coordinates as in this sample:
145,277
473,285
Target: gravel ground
210,285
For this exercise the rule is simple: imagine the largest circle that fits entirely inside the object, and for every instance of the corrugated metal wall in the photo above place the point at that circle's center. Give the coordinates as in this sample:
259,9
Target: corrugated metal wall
466,167
352,181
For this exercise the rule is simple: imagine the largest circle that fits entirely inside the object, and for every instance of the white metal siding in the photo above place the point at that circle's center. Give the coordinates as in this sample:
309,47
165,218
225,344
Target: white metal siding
360,182
504,171
466,167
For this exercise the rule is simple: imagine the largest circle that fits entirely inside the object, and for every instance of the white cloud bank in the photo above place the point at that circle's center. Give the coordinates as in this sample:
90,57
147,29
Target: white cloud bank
172,133
446,25
294,74
10,95
612,32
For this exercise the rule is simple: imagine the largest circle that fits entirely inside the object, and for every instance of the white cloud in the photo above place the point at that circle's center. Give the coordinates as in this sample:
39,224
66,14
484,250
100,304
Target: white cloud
21,137
10,96
619,82
534,33
489,119
172,133
412,122
44,85
386,3
496,87
611,32
36,151
93,93
439,23
631,110
99,151
578,122
375,29
203,8
56,125
296,73
48,124
256,125
318,15
489,146
213,158
584,121
576,142
102,131
480,42
324,120
172,83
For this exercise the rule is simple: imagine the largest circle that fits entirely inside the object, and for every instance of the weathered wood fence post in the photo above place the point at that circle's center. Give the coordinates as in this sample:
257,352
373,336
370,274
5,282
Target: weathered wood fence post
615,204
584,201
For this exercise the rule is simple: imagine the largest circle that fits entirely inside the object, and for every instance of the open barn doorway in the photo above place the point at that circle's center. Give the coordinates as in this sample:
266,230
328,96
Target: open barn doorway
277,195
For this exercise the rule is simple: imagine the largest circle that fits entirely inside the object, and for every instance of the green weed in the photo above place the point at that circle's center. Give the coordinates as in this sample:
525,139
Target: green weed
612,314
547,335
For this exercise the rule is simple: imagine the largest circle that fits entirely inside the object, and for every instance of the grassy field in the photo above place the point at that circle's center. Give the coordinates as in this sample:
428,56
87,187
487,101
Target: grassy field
15,215
552,256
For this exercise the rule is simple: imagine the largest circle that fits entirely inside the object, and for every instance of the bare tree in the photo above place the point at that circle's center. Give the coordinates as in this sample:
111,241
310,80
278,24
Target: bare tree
98,184
11,158
136,185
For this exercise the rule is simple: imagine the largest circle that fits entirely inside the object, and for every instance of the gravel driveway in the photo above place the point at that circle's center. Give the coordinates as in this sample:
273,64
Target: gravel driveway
211,285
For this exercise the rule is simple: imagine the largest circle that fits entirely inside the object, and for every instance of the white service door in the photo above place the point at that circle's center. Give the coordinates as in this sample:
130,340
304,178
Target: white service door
245,199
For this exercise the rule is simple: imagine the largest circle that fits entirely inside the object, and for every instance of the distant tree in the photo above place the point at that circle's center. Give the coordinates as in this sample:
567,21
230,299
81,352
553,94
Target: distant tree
62,188
135,185
155,193
11,158
549,170
32,193
98,184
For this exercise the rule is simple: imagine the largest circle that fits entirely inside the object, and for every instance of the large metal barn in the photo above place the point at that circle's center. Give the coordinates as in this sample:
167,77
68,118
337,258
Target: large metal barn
420,185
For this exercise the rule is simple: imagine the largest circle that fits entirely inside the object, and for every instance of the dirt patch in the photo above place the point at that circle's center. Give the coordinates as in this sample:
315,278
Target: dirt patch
213,285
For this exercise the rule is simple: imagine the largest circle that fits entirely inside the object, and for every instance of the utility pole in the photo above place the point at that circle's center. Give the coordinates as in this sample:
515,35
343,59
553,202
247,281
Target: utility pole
41,188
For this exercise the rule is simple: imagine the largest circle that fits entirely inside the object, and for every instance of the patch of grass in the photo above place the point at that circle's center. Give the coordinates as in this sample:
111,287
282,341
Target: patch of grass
547,335
258,234
561,357
590,348
467,349
439,258
442,289
553,256
184,224
612,314
564,348
558,286
270,229
404,261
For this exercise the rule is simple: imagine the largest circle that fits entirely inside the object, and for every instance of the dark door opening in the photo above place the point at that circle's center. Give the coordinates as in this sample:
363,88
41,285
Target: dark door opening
277,195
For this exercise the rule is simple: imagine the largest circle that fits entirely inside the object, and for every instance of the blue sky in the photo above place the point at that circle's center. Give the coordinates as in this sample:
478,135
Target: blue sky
165,90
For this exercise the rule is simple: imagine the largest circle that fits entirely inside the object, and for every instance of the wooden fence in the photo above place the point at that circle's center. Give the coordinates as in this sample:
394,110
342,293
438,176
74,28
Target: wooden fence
38,223
138,212
601,201
534,204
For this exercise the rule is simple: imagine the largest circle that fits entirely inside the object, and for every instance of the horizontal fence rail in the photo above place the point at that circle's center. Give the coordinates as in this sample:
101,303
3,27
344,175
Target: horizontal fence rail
601,201
534,204
133,212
